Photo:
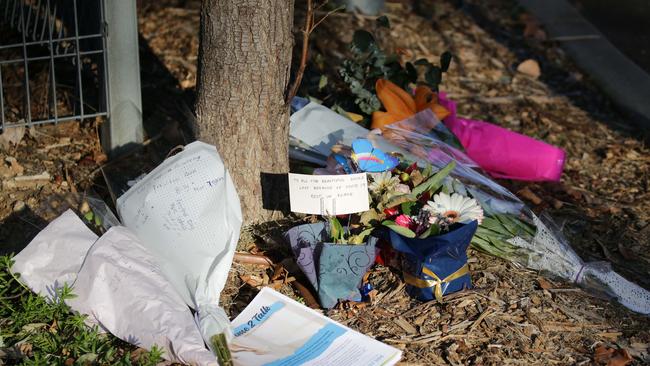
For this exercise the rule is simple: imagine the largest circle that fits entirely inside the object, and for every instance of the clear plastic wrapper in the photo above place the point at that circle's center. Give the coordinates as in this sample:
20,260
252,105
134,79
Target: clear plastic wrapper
511,230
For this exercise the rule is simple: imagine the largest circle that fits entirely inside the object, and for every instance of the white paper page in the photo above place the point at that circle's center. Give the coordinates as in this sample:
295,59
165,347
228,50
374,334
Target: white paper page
319,128
275,330
328,194
53,258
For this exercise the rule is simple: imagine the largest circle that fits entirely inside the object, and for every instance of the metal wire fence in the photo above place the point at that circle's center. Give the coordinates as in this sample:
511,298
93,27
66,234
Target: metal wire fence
63,60
52,61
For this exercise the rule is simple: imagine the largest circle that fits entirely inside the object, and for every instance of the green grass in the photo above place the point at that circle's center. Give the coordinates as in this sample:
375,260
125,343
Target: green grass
34,331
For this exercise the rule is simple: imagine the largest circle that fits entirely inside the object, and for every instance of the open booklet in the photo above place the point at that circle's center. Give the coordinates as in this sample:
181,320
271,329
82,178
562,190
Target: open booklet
276,330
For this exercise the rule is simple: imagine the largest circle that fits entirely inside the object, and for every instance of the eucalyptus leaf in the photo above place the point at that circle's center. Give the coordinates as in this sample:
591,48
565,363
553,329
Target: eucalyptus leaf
383,21
433,77
445,61
426,172
404,231
368,217
416,177
362,40
322,82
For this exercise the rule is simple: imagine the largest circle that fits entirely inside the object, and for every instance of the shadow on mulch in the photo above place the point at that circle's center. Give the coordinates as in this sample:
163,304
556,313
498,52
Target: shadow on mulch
18,229
167,113
582,93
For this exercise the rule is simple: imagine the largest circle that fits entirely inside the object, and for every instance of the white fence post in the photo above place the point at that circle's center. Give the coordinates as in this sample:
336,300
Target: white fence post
124,129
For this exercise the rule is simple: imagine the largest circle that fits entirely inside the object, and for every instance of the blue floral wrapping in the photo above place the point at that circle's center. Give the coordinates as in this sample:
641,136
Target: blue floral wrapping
335,270
437,265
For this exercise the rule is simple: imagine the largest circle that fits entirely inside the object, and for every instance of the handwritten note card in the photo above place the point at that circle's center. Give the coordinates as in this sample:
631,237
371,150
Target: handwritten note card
328,194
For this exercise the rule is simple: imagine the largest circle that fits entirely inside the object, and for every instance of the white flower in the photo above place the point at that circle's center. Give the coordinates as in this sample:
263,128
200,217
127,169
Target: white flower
382,182
455,208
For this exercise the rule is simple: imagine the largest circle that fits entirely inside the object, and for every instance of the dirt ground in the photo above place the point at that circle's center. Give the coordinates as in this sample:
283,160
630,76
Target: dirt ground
512,316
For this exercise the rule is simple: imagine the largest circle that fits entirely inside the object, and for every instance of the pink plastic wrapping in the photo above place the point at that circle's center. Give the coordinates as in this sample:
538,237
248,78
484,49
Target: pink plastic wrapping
503,153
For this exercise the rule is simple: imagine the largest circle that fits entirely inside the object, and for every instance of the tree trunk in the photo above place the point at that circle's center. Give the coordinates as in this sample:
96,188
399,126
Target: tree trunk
244,64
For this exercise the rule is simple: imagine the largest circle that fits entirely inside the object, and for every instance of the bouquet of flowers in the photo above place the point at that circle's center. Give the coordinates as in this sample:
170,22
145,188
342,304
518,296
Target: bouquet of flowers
430,224
333,257
509,229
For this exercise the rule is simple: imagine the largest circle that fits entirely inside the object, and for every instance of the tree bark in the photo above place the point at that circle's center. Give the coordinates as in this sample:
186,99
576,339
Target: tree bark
244,64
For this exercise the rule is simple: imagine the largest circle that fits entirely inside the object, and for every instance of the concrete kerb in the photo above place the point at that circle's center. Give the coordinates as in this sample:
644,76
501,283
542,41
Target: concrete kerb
619,77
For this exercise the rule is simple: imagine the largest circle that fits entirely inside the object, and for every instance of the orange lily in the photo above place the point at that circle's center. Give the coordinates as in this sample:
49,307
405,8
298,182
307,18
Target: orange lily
400,105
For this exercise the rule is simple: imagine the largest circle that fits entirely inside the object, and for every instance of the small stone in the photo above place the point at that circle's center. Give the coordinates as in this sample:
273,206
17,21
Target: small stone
530,68
18,206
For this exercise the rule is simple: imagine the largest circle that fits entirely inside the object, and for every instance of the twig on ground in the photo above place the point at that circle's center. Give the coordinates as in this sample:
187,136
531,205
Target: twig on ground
310,300
247,258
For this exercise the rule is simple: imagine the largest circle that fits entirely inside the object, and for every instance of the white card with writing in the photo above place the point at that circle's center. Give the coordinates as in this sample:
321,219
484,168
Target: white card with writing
328,194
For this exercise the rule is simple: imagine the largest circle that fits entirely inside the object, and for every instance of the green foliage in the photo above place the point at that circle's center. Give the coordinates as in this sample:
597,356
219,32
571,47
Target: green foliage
433,230
435,181
338,233
494,232
404,231
369,63
220,344
54,334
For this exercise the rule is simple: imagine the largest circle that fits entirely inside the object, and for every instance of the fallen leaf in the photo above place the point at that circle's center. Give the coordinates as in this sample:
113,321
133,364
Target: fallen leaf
15,167
529,195
11,135
532,28
25,349
544,283
279,271
530,68
639,349
625,251
99,157
611,357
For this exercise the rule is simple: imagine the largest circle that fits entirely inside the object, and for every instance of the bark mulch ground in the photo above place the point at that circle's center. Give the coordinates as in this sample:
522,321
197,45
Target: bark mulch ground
513,315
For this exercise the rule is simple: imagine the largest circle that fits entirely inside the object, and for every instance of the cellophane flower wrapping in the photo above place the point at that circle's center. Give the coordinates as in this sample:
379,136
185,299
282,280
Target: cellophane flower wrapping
510,230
